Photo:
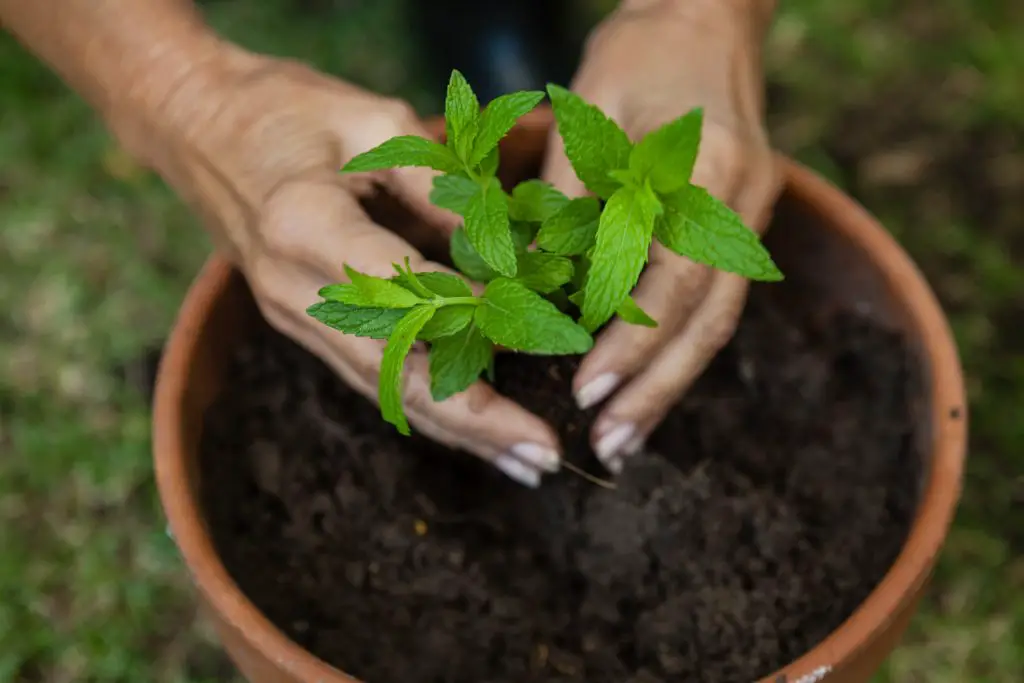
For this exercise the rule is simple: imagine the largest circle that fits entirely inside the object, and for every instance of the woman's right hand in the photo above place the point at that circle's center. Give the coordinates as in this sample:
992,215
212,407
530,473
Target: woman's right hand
254,144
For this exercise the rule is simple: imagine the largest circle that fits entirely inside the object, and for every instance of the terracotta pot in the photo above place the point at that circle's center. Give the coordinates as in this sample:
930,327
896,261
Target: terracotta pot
830,249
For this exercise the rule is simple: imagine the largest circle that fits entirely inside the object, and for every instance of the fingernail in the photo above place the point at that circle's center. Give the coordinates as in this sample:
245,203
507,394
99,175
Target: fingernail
518,470
634,446
610,445
596,390
613,464
535,454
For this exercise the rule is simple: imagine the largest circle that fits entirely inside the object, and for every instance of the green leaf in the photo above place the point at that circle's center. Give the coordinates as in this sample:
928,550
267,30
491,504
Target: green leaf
430,284
472,265
625,176
489,166
559,298
404,150
577,298
376,323
631,312
498,118
522,235
467,260
700,227
337,292
457,361
453,192
408,279
579,278
389,390
535,200
623,242
572,229
370,291
520,319
667,155
487,227
461,114
445,284
447,321
593,142
542,272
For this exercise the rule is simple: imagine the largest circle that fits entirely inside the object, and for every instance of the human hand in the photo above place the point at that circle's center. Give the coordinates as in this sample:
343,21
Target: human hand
257,152
647,64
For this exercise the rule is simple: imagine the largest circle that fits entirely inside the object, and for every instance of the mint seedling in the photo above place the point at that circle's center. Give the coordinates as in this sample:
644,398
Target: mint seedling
555,269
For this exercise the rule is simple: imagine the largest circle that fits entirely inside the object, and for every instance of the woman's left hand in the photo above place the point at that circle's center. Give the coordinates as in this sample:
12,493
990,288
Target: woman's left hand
647,64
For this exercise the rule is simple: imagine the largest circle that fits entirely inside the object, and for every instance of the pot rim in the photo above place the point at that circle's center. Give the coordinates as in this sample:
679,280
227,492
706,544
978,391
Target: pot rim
901,583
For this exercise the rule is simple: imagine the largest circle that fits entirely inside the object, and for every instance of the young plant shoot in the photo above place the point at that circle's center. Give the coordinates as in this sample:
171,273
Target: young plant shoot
555,269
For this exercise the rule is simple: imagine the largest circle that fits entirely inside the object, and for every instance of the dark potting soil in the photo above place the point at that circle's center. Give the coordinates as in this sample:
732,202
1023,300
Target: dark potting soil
765,509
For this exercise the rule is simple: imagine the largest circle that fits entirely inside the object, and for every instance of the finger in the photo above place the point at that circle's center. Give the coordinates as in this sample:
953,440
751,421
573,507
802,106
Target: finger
482,421
478,420
320,225
368,247
308,227
669,291
638,408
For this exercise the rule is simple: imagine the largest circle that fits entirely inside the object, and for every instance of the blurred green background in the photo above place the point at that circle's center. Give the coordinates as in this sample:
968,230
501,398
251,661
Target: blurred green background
916,107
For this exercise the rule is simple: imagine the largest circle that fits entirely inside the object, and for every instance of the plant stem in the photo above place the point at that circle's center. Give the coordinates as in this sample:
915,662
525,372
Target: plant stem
588,476
457,300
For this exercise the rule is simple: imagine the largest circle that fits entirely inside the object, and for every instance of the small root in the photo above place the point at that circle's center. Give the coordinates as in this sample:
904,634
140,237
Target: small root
588,476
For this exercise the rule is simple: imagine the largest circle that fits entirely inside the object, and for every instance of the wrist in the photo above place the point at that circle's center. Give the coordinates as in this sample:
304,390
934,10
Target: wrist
129,60
754,16
149,87
168,94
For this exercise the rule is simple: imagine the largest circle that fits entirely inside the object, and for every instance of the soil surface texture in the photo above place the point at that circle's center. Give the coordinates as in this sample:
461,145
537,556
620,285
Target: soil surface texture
769,504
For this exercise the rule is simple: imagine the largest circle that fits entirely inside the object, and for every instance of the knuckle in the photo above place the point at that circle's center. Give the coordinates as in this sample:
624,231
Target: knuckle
399,113
362,355
682,276
277,238
416,397
479,398
729,157
723,154
280,225
688,278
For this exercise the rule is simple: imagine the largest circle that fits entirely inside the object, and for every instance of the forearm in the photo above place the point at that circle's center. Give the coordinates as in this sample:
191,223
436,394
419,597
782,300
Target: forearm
124,57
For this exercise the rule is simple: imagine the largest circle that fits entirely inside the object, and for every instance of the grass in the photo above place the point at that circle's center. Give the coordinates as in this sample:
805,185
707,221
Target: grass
913,106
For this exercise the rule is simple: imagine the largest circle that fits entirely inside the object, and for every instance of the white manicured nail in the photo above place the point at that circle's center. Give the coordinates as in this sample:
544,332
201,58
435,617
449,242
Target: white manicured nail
535,454
635,445
596,390
518,470
610,445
